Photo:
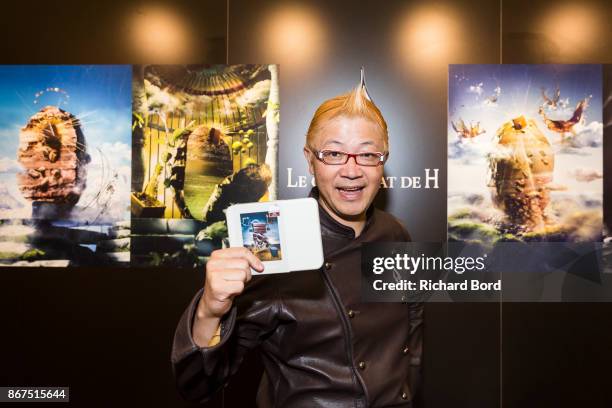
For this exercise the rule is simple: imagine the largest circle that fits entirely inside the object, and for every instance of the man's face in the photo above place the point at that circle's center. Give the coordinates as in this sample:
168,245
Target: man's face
347,190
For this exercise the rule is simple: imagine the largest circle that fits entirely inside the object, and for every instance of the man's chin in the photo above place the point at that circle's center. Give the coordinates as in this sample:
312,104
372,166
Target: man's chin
349,210
352,213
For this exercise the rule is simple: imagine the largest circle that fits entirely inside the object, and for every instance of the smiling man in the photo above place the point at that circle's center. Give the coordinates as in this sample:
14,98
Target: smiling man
347,182
321,346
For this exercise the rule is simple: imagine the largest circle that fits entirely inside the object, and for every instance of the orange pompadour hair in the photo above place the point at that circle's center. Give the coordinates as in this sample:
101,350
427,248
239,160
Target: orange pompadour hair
352,104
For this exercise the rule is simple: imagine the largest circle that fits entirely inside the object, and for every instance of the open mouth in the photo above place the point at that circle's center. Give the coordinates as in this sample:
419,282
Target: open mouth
350,193
350,189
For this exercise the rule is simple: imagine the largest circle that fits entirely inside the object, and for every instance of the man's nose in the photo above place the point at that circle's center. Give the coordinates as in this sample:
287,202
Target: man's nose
351,169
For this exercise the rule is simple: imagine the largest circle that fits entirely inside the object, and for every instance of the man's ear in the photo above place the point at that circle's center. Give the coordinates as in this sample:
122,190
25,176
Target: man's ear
309,158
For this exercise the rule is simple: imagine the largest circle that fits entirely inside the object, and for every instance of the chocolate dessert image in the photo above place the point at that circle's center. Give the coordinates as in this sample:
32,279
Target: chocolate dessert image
65,165
53,153
525,153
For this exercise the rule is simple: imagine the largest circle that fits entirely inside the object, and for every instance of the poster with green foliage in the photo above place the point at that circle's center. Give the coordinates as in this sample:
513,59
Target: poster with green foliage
204,137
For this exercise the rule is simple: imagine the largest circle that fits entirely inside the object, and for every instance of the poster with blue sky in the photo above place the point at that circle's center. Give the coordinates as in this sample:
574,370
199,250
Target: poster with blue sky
65,164
525,157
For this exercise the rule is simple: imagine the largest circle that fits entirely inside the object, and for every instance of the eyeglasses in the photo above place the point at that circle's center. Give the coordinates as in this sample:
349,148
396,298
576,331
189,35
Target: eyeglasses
335,157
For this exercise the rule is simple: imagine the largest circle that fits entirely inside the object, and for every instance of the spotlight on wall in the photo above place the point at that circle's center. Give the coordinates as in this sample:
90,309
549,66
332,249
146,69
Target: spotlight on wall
428,38
575,28
159,34
293,36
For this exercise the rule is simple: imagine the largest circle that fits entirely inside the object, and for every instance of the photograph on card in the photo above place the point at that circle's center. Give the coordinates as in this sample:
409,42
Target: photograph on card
525,153
65,165
261,235
204,137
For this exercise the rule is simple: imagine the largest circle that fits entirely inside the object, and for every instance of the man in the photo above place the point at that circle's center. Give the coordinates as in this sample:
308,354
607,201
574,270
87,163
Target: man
320,345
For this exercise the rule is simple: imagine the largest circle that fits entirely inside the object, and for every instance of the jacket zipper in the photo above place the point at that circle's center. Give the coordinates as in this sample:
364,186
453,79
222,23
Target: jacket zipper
348,332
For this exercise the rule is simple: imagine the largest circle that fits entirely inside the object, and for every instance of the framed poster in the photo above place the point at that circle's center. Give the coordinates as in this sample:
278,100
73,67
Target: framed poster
525,157
65,165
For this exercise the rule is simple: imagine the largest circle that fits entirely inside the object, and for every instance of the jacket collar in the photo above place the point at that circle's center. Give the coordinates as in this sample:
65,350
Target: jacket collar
331,226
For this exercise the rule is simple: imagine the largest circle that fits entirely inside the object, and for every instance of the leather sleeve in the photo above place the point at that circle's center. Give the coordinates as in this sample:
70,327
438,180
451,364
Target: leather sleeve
201,371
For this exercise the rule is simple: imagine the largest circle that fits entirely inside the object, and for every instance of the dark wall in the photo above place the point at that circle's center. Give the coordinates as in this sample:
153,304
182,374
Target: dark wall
98,32
104,333
107,334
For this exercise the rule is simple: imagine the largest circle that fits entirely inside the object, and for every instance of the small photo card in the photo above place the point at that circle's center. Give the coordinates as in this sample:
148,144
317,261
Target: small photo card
261,235
285,235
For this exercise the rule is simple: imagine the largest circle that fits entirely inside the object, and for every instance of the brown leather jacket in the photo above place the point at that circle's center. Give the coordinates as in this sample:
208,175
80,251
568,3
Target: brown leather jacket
320,345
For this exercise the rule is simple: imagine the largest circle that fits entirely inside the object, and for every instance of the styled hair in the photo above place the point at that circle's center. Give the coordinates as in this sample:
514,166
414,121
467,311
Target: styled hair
354,104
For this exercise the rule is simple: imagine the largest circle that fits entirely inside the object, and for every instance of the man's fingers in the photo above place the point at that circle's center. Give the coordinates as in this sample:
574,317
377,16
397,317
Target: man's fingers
254,261
239,252
231,289
228,263
241,275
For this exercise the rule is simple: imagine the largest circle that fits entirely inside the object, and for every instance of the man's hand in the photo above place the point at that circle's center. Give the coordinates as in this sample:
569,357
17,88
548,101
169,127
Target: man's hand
227,271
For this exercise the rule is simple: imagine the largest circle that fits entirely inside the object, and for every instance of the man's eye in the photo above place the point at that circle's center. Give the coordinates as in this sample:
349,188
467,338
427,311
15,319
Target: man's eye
369,156
334,154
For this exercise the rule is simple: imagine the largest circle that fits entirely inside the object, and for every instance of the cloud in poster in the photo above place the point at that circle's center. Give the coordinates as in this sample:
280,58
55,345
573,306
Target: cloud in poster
590,135
9,140
159,99
259,92
118,154
587,136
8,165
585,175
469,151
8,200
10,132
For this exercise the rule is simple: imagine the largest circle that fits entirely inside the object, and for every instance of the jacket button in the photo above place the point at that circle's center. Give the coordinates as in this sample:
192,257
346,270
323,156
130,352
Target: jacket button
328,265
362,365
404,395
406,350
351,314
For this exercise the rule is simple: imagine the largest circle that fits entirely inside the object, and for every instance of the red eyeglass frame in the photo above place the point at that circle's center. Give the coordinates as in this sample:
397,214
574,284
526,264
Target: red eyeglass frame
382,155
